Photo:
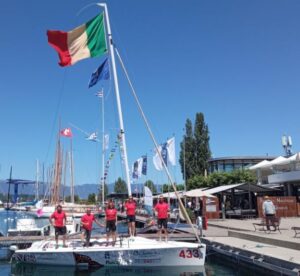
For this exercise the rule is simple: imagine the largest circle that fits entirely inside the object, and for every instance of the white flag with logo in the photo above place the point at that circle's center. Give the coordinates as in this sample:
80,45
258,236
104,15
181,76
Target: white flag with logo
171,151
137,168
156,160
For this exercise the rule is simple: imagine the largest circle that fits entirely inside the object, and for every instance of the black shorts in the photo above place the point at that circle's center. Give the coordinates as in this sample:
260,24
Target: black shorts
111,226
60,231
162,223
130,218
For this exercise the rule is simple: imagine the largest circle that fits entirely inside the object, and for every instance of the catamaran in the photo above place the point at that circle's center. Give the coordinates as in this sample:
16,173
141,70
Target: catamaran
128,252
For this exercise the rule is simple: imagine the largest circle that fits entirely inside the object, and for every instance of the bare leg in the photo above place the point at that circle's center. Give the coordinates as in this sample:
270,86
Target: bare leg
133,228
130,229
56,241
166,234
64,240
159,233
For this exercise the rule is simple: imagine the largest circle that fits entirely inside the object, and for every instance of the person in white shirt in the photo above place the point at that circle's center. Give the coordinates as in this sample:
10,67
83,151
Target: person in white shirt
269,212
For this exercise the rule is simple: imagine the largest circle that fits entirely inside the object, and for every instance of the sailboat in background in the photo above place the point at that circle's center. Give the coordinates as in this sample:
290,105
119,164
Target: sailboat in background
129,252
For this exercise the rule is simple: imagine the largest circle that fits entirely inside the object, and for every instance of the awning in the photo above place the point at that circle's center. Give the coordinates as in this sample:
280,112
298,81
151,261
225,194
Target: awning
259,165
279,161
171,195
198,193
241,186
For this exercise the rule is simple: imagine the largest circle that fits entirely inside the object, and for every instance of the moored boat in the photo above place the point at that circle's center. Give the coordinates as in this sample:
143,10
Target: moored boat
139,252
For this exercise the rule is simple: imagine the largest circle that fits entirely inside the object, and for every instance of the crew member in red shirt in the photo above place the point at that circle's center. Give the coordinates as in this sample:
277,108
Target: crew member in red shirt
87,225
59,217
130,207
162,209
111,221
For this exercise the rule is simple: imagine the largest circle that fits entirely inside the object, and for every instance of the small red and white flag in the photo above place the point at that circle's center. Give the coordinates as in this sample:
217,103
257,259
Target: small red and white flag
66,132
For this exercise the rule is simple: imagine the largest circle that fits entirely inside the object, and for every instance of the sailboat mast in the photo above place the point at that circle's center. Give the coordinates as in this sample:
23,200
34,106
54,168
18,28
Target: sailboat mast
103,149
116,84
9,182
37,180
71,172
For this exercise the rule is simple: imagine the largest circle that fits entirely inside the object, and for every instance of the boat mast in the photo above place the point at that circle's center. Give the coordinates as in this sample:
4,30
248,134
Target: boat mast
103,148
8,194
122,131
71,172
37,180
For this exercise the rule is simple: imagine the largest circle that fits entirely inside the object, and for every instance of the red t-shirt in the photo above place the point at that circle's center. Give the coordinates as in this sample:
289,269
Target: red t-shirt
130,208
162,210
89,220
59,218
111,214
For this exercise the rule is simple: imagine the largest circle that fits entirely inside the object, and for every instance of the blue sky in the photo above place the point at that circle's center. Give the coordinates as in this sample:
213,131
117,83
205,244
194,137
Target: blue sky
236,61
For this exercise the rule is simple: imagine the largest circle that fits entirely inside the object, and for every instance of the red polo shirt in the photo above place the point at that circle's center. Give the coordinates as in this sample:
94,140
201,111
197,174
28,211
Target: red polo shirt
58,218
89,220
162,210
111,214
130,208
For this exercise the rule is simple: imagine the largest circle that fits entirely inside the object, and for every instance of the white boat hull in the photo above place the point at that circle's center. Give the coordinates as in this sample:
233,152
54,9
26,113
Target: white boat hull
138,253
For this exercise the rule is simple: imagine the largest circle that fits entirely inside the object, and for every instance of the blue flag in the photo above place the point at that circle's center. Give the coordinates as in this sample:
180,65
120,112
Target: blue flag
102,73
144,166
164,152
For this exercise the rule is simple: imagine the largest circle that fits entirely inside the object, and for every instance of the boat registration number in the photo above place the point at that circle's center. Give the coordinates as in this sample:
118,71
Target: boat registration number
190,253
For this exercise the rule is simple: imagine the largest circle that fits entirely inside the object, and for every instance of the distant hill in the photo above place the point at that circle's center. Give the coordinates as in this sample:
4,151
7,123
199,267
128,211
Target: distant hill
82,190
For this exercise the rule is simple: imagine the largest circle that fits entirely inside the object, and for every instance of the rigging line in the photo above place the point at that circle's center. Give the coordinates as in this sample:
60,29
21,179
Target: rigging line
61,91
156,145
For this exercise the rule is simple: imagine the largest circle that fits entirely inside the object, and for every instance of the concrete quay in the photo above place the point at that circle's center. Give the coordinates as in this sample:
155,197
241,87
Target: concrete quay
237,240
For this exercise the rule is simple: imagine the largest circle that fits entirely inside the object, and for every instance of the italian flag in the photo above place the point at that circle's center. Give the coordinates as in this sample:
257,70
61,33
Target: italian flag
87,40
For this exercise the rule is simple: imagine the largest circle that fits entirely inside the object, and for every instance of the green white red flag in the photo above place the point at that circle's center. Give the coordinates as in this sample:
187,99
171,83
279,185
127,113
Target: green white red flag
85,41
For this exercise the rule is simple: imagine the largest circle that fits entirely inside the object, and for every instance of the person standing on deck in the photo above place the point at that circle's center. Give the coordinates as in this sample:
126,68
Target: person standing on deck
269,212
162,208
111,222
60,218
87,225
130,208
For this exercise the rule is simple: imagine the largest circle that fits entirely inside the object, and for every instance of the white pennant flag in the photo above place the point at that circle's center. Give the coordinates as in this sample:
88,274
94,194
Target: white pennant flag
106,141
171,151
156,160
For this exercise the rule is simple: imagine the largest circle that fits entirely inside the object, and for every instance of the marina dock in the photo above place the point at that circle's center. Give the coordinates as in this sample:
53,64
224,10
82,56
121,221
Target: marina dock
238,241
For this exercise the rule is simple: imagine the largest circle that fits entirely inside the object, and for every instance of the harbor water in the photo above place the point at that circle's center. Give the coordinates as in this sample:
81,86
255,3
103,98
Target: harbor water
215,265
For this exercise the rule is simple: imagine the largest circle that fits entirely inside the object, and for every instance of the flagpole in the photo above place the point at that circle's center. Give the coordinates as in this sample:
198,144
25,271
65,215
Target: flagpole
122,131
71,171
103,148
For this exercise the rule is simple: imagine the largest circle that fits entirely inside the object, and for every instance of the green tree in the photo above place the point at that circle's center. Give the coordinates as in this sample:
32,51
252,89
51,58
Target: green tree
120,186
76,199
92,198
151,186
196,182
202,149
169,188
195,150
186,157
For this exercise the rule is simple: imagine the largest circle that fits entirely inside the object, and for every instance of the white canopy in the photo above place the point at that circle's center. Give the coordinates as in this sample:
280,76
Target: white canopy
259,165
279,161
170,195
295,157
198,193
